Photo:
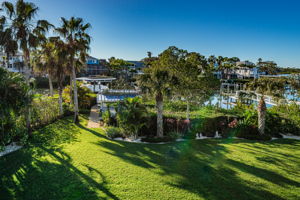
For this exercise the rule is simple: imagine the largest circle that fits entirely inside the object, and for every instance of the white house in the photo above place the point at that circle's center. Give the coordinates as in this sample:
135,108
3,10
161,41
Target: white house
14,64
246,69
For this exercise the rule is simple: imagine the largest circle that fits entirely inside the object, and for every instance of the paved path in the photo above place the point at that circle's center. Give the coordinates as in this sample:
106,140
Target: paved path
94,117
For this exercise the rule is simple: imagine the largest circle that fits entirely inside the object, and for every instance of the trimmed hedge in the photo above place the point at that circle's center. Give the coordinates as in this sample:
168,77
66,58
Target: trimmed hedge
170,125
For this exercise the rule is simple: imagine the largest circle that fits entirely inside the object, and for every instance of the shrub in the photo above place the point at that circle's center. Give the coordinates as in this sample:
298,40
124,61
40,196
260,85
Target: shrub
45,110
106,117
247,131
221,124
170,124
174,135
113,132
86,98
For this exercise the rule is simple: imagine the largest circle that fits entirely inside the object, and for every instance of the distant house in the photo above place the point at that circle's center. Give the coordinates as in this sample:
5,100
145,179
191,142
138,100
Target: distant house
95,67
137,66
15,63
241,70
246,69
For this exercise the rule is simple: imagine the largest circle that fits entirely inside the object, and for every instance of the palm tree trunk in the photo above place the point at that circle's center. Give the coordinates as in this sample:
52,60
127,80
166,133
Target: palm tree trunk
50,85
27,108
76,110
71,90
159,107
60,100
261,109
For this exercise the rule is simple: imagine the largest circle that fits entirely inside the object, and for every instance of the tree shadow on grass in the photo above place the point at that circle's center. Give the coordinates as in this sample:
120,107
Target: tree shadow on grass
61,132
25,177
200,167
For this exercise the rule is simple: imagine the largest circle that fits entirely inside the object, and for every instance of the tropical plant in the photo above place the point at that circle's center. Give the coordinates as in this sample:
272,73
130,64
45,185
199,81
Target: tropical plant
132,115
74,33
86,97
262,87
14,99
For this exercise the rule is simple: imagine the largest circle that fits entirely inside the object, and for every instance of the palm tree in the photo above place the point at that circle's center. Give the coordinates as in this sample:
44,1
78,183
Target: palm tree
26,32
43,61
262,87
157,82
74,32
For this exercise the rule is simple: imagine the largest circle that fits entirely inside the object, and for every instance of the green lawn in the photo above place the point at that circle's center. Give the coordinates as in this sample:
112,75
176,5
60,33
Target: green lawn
86,165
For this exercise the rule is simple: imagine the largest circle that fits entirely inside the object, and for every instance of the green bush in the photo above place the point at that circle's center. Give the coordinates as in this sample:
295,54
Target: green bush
86,98
179,106
132,115
245,130
45,110
174,135
113,132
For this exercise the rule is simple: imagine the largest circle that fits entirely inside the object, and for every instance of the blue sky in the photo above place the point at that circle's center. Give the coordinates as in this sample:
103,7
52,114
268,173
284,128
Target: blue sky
127,29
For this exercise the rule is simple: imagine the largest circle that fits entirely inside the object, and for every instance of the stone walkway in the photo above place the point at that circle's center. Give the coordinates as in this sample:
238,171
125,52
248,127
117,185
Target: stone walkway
94,117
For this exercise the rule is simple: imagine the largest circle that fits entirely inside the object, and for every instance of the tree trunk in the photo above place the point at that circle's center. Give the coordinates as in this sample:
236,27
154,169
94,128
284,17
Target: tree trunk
159,107
27,109
50,85
71,89
60,100
7,60
188,110
76,110
261,109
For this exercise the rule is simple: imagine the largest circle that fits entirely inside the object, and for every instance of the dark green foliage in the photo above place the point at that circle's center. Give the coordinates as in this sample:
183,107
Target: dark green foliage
244,129
158,139
211,125
170,124
43,82
14,97
113,132
132,116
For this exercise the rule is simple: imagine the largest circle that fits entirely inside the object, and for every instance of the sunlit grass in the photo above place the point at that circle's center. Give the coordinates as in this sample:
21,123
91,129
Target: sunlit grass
65,161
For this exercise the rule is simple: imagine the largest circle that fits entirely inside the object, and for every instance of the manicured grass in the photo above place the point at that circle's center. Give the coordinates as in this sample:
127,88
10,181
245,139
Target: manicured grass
66,161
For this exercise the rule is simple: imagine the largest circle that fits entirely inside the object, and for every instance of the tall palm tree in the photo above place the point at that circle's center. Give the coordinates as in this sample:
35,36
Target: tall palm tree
43,61
157,81
26,32
266,86
60,69
74,32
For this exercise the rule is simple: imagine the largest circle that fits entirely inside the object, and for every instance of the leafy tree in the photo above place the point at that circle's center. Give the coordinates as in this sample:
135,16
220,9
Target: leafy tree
196,82
266,86
132,115
43,61
74,33
269,67
117,67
